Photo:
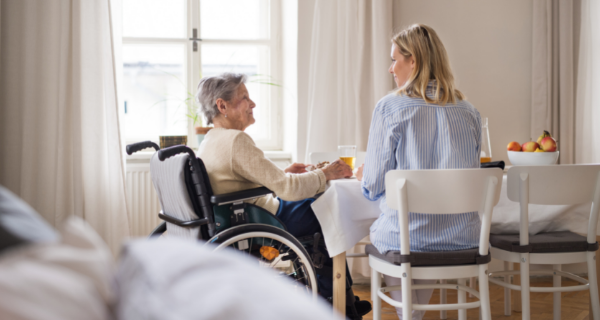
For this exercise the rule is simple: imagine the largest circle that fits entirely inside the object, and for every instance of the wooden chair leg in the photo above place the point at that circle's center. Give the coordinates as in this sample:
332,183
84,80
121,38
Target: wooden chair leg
406,291
516,295
556,282
462,298
375,286
507,298
484,293
525,293
592,261
443,300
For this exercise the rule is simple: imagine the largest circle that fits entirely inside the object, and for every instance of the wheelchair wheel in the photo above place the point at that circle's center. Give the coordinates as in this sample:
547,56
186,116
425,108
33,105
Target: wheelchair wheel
275,249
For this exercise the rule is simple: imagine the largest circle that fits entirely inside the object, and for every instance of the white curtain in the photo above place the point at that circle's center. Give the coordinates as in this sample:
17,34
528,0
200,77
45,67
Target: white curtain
587,147
59,127
553,67
349,59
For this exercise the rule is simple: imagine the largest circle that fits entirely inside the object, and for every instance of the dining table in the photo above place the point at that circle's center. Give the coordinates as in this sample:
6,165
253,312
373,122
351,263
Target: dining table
346,216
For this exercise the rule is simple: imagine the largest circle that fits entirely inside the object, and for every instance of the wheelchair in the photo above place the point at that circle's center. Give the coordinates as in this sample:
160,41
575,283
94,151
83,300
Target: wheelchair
190,209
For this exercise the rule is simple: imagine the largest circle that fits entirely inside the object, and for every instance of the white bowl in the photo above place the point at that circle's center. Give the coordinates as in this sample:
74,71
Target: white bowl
520,158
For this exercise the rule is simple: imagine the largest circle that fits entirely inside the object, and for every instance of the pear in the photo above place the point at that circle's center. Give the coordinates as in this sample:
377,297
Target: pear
545,134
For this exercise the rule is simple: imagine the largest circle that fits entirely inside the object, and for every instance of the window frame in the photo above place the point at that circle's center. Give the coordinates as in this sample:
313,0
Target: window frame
194,64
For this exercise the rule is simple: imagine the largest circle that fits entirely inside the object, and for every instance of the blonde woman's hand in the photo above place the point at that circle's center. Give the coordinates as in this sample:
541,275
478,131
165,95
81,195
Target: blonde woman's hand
359,172
337,170
296,168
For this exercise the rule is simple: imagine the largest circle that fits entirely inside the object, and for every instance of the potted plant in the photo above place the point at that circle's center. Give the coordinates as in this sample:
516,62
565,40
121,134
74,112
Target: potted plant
193,114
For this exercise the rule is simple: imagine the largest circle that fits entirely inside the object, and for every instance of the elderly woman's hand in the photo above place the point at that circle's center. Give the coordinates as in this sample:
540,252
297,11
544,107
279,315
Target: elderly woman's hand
296,168
337,170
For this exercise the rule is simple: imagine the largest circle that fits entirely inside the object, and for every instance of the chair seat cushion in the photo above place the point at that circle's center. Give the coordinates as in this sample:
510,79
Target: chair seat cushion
437,258
548,242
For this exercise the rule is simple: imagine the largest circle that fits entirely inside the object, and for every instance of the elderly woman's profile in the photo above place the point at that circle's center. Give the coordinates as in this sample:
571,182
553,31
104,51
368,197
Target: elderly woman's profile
234,163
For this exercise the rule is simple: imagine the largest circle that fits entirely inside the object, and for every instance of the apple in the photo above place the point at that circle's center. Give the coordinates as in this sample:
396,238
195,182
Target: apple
548,144
514,146
529,146
545,134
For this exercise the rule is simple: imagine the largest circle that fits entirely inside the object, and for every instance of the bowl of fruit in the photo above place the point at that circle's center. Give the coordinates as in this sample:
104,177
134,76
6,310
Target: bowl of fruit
542,152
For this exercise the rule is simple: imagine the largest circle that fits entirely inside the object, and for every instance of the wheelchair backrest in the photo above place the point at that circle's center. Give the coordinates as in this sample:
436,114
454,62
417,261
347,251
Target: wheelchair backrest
181,192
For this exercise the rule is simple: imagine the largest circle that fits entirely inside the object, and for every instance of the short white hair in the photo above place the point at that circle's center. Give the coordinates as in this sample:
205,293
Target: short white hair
210,89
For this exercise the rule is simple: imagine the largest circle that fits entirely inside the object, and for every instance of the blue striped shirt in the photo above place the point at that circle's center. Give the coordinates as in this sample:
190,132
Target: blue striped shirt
409,134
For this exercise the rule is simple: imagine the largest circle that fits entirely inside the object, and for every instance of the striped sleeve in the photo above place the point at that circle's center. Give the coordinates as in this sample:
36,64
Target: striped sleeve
380,156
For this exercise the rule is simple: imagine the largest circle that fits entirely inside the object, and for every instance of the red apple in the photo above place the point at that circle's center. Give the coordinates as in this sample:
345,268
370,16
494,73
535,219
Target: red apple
548,144
530,146
514,146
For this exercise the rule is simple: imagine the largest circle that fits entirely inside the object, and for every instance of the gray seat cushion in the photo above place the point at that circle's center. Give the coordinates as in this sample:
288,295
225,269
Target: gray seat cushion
548,242
438,258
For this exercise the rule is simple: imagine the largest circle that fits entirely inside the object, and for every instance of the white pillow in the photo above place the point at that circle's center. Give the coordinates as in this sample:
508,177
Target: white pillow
69,279
182,279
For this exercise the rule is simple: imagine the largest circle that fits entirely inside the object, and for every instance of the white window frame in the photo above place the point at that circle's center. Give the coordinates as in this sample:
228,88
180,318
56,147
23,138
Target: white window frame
194,62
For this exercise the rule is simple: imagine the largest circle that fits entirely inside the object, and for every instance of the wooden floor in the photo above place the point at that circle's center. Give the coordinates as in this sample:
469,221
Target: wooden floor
575,305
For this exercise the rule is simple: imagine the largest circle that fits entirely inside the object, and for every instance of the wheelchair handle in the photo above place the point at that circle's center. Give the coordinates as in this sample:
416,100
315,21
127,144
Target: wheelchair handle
175,150
135,147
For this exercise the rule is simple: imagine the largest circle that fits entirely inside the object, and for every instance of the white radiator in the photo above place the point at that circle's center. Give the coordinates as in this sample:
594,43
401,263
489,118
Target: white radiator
142,202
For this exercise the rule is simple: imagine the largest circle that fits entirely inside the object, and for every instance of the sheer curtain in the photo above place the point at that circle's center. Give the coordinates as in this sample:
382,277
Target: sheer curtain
59,127
555,26
349,59
587,133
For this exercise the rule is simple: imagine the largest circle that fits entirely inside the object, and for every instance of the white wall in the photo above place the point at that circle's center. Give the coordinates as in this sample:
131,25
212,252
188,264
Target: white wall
489,44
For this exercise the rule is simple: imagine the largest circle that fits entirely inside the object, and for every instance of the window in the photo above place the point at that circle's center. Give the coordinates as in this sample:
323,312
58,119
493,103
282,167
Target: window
162,66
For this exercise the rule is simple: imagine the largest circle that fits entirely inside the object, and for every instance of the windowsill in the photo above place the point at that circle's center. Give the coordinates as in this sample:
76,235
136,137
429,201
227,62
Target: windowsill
145,156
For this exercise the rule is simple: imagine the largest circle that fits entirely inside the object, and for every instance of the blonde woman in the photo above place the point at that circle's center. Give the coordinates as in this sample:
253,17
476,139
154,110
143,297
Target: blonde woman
425,124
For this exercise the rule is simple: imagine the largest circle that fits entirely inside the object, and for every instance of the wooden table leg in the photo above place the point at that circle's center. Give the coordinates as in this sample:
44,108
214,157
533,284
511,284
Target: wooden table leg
339,283
516,295
597,269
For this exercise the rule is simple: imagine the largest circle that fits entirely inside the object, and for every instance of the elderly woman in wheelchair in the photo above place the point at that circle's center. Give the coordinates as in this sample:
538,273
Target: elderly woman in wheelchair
231,187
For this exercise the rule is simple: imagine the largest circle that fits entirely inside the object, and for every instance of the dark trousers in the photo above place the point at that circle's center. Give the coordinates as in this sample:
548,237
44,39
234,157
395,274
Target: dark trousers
300,220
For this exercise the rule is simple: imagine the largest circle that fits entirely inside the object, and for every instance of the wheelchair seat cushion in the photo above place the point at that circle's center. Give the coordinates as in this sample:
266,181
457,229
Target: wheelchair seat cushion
436,258
547,242
168,178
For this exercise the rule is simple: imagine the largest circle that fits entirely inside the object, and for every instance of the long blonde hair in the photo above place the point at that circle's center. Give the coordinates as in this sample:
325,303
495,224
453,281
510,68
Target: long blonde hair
431,63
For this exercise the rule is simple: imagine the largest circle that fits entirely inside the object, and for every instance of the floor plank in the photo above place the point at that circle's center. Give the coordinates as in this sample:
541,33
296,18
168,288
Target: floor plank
574,304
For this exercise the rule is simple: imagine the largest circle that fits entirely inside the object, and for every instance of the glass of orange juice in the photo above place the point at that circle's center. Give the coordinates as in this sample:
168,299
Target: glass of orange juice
486,147
348,155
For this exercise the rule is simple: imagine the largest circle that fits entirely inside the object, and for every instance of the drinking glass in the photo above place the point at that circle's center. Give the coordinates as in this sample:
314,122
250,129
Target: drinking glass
348,155
486,147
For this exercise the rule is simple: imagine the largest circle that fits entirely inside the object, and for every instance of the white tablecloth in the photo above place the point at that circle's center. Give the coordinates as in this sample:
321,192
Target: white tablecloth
346,215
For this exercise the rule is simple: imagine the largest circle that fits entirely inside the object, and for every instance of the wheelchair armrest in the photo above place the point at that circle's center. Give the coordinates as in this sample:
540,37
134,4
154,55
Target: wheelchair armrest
181,223
239,195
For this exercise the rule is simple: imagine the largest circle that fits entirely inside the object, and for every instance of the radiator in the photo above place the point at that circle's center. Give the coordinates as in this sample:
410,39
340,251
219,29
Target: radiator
142,202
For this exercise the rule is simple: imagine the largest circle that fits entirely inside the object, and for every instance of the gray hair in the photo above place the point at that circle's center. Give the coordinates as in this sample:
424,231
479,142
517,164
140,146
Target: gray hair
223,86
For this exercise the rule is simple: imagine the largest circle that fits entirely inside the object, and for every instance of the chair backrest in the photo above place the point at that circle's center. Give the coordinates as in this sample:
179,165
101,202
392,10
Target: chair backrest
442,191
173,180
555,185
446,191
316,157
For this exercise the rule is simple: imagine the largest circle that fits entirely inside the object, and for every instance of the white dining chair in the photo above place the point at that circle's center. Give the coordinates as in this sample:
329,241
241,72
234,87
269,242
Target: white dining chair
549,185
316,157
437,192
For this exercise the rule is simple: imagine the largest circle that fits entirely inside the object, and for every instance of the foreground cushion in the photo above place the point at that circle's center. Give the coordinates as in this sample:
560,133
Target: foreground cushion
184,279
